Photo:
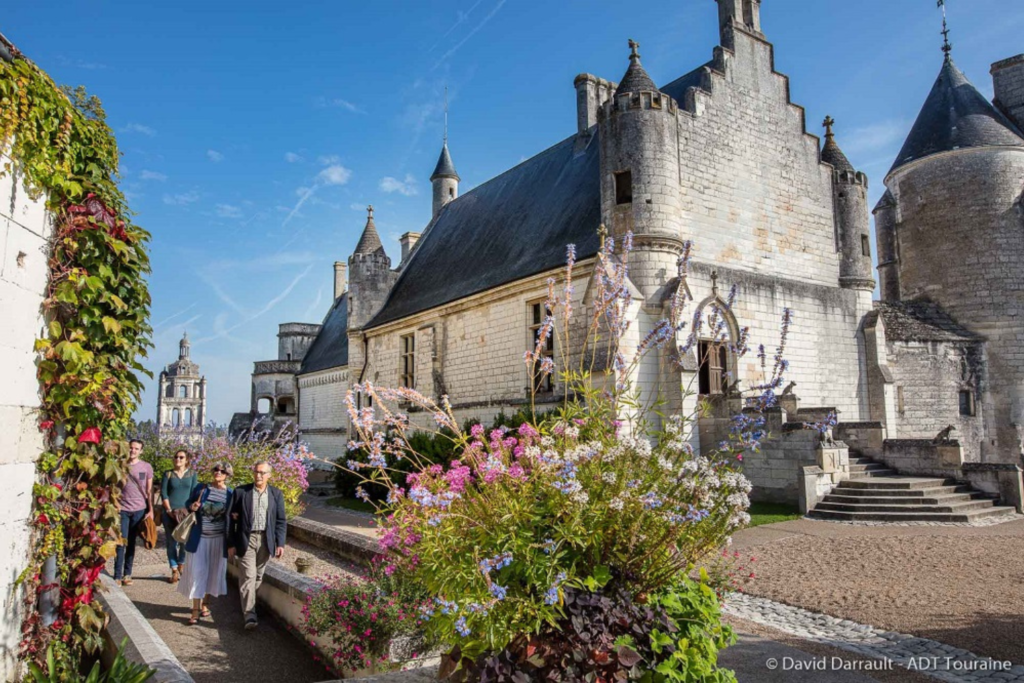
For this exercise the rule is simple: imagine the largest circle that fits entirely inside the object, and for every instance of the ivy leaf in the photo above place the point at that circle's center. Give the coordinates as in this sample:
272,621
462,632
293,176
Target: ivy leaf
118,302
88,617
55,328
111,325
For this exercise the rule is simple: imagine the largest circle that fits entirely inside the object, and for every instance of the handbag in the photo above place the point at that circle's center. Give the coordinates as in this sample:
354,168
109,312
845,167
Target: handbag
148,530
184,528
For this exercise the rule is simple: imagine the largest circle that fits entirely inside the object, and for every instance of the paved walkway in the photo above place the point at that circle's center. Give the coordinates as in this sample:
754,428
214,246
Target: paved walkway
318,510
218,649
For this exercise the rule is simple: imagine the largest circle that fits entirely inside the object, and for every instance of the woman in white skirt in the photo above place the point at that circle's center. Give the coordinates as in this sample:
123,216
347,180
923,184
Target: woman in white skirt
206,562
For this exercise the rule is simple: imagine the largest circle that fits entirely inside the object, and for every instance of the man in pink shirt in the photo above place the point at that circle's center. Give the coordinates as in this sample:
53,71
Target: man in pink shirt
136,494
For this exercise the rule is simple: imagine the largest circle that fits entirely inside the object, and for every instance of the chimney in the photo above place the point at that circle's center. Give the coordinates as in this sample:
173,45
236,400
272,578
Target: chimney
339,278
408,241
1008,84
587,102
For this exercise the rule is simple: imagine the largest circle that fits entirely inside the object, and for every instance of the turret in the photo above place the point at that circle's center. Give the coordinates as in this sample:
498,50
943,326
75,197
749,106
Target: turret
184,347
743,14
850,206
639,138
888,255
444,179
370,276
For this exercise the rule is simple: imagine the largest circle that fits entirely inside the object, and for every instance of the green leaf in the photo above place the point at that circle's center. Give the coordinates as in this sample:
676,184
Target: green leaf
111,325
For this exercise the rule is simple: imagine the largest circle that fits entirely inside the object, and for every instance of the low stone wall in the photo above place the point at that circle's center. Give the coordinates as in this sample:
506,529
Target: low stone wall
346,544
1001,479
144,645
774,472
923,457
865,438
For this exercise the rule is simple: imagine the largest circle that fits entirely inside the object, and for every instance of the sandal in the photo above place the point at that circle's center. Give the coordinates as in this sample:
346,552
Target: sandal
195,618
175,575
206,611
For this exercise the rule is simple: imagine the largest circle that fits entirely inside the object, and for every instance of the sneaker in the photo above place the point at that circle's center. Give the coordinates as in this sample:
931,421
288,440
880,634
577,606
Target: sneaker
250,622
126,581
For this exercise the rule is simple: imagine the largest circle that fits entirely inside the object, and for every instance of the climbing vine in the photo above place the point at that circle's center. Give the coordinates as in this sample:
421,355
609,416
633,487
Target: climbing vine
97,310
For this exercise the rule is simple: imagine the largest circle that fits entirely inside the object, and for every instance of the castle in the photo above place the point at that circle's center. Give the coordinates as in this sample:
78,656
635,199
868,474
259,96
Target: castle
181,403
722,157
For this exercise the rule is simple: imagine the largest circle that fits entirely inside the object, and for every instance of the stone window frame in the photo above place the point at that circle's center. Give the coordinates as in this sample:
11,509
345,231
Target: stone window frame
623,182
535,314
407,360
730,367
182,391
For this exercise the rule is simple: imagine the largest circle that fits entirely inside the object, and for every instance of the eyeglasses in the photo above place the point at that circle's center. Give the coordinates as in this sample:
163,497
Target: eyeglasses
261,474
180,457
218,470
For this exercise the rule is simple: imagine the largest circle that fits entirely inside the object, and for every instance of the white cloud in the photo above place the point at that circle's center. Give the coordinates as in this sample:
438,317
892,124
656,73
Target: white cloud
340,104
139,128
229,211
356,206
292,157
329,159
182,199
406,187
334,175
152,175
214,156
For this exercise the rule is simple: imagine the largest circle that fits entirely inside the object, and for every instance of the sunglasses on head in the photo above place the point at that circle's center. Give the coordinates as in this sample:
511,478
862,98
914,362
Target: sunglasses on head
217,470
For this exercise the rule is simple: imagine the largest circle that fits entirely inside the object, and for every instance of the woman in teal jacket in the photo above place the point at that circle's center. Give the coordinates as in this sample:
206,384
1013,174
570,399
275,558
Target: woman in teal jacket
175,490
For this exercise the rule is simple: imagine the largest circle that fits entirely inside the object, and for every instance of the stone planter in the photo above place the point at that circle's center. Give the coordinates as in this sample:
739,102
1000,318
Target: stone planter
303,565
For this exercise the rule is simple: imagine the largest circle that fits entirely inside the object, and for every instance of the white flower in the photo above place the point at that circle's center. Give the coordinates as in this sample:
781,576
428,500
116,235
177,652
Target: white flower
581,497
616,503
547,441
572,432
609,477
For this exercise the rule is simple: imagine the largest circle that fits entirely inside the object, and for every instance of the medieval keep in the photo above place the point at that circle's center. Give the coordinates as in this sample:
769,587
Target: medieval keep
928,381
181,403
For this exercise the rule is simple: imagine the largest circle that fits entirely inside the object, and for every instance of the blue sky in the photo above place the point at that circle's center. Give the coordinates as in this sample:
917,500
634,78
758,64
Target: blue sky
255,133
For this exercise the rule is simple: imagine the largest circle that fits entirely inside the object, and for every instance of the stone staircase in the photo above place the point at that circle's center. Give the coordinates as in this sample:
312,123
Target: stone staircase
875,493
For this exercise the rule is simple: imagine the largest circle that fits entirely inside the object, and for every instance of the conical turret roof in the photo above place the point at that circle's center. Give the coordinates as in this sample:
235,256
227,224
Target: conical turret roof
635,79
369,242
445,168
830,153
956,116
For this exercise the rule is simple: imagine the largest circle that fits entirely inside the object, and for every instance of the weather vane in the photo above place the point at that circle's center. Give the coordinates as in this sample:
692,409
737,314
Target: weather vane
947,46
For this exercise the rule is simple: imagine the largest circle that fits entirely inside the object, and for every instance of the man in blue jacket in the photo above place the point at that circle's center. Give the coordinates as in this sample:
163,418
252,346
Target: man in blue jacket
256,533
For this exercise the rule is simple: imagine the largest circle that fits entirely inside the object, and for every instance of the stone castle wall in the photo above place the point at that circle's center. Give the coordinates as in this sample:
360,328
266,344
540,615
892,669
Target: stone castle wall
953,209
25,228
323,417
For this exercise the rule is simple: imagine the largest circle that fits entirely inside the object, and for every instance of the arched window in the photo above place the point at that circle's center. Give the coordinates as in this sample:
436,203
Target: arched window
170,391
188,417
183,391
715,357
175,418
264,406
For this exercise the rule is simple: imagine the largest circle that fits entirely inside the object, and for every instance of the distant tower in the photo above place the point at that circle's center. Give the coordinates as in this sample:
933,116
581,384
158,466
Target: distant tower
444,178
639,139
850,202
181,404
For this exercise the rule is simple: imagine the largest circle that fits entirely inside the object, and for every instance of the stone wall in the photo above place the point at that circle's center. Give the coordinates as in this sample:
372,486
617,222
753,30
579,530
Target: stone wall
25,228
959,225
775,470
323,418
930,377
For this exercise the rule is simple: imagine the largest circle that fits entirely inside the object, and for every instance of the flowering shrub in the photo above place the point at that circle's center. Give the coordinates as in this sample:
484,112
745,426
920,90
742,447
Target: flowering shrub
544,516
285,455
360,617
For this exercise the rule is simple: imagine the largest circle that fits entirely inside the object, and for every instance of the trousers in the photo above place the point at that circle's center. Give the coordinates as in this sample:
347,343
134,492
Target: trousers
253,564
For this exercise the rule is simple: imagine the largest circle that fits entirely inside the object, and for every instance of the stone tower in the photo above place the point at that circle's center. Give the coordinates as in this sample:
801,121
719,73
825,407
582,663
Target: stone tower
1008,85
957,218
850,202
888,254
444,179
640,184
181,404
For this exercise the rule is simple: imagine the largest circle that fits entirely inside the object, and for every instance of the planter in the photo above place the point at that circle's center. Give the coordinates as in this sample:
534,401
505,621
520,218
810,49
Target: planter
303,565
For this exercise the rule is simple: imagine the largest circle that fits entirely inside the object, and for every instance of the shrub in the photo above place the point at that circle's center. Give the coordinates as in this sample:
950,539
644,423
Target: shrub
360,617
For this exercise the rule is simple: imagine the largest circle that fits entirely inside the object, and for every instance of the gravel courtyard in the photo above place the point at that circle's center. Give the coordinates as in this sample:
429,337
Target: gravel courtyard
963,586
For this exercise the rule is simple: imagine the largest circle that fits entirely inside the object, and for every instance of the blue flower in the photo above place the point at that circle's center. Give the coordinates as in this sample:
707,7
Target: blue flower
460,626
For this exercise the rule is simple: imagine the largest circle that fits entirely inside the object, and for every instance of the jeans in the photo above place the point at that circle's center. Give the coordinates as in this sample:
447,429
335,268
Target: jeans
126,553
175,550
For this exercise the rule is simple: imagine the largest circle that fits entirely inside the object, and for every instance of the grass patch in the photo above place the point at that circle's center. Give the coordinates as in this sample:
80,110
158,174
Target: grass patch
351,504
770,513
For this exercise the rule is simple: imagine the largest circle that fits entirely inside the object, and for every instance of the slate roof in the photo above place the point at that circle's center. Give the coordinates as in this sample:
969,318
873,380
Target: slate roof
445,168
956,116
369,241
921,321
330,348
831,154
635,79
510,227
677,88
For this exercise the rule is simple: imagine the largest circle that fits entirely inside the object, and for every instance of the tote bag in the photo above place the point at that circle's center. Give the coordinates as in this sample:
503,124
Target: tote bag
184,528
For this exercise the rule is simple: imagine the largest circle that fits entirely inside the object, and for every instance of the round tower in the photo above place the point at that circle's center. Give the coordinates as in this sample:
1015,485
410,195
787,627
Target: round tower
956,185
850,203
885,236
444,179
640,174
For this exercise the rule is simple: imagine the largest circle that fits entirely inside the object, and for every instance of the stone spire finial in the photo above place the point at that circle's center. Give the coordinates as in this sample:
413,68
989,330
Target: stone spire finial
634,54
830,153
369,212
714,283
635,79
369,242
828,123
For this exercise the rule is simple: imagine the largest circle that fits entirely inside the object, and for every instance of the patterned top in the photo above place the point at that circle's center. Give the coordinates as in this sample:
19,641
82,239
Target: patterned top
259,508
214,512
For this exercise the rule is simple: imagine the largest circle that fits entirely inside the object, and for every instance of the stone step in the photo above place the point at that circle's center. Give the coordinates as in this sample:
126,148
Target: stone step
867,466
894,483
861,460
857,472
961,517
956,507
940,499
844,490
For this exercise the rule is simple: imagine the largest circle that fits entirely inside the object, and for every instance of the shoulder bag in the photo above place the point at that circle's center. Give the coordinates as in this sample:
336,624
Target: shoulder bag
184,528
